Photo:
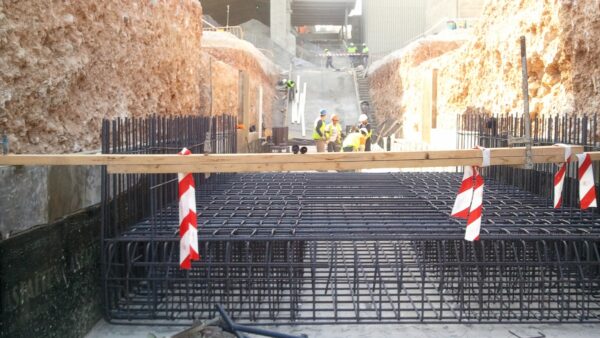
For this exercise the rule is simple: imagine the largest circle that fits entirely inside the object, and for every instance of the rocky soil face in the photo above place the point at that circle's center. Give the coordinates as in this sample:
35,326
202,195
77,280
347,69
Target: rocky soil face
397,81
65,65
224,56
484,74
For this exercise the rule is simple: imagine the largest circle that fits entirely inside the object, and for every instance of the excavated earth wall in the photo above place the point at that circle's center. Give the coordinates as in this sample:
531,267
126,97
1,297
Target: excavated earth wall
225,56
484,74
65,65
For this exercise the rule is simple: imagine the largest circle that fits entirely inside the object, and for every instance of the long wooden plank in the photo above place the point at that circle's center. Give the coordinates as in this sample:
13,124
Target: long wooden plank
310,166
251,159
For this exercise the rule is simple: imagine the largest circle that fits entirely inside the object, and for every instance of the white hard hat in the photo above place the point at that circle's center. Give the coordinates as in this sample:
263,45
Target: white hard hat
362,118
364,131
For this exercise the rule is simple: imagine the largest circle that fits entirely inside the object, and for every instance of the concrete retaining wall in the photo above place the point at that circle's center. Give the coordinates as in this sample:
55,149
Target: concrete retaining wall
50,279
31,196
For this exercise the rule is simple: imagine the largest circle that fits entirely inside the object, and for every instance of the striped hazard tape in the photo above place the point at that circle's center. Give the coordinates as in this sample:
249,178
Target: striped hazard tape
587,187
344,54
188,222
469,200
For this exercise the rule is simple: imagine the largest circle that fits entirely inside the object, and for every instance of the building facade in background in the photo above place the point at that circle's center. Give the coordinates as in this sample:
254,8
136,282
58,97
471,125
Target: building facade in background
439,11
388,25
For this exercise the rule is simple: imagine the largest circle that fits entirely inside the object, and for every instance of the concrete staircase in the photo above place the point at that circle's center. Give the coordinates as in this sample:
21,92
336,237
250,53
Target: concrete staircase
362,83
382,129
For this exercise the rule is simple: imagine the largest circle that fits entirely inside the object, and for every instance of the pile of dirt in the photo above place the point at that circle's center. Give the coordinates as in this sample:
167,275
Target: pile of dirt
65,65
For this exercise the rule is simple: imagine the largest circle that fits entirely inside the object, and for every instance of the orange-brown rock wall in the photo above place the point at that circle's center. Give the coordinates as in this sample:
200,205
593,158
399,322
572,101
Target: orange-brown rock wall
65,65
397,82
229,56
484,74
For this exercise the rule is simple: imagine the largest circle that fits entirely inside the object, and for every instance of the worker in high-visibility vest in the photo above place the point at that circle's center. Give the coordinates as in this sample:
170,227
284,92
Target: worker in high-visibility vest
364,123
352,53
291,87
334,135
319,131
365,54
353,141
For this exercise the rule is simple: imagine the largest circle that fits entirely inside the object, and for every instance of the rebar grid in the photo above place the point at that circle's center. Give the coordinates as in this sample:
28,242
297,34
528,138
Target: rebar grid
349,247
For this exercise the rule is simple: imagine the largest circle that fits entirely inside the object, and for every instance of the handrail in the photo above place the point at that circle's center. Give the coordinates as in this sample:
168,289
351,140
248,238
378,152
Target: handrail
208,23
237,31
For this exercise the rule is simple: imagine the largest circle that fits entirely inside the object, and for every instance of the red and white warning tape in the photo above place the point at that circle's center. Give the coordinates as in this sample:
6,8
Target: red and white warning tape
469,201
462,204
559,178
587,187
344,54
188,222
474,220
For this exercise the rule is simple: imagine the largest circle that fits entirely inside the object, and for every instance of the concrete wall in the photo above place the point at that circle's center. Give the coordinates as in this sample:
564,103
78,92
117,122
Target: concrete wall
439,10
31,196
50,278
281,25
389,25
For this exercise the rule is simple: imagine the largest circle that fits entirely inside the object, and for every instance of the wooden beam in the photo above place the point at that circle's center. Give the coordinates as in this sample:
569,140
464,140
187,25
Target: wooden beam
332,165
291,162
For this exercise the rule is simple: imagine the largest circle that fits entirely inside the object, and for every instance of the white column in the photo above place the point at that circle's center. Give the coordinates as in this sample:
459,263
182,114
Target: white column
260,111
281,23
302,108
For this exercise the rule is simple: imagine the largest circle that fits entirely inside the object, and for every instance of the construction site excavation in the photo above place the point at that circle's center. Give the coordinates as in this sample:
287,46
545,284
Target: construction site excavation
299,168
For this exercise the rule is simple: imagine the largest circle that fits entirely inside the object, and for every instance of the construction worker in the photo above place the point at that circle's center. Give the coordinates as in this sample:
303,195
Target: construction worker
365,54
291,87
319,131
352,142
334,135
329,62
363,120
352,53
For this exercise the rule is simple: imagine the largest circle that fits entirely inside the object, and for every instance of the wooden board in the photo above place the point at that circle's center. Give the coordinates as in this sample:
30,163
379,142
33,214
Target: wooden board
292,162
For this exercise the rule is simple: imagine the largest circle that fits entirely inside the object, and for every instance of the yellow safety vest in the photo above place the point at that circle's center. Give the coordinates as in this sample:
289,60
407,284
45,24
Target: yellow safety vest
352,140
339,132
316,135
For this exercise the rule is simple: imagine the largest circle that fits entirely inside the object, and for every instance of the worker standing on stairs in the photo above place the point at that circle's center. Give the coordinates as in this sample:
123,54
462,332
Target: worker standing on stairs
329,62
352,53
334,135
319,131
364,123
365,55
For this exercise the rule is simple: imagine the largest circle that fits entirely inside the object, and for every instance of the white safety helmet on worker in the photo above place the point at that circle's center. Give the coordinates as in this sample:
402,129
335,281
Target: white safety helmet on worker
364,131
363,118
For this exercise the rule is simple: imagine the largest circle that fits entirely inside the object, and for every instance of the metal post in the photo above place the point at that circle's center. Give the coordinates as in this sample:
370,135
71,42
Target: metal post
4,144
227,25
526,117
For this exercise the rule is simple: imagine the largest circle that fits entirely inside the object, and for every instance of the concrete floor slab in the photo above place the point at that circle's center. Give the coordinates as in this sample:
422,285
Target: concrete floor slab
104,329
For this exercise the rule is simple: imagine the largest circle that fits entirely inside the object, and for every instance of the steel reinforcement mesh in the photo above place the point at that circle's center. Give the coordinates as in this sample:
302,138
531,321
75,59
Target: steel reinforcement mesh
357,247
